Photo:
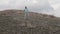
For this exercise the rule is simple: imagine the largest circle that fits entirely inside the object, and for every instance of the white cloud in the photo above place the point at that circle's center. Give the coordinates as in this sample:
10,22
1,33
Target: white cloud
56,5
22,3
4,2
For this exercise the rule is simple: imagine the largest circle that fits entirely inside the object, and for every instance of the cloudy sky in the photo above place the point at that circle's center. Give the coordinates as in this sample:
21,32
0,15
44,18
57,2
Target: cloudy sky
45,6
56,5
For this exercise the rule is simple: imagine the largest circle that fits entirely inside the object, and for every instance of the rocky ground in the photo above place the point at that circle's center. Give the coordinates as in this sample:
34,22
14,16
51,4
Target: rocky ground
13,22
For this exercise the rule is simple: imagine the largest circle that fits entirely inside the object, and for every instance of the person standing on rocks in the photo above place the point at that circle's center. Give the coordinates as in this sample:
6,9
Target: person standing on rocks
26,13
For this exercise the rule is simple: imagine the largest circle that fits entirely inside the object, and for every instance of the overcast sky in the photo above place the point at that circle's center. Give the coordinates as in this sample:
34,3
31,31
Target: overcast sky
46,6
